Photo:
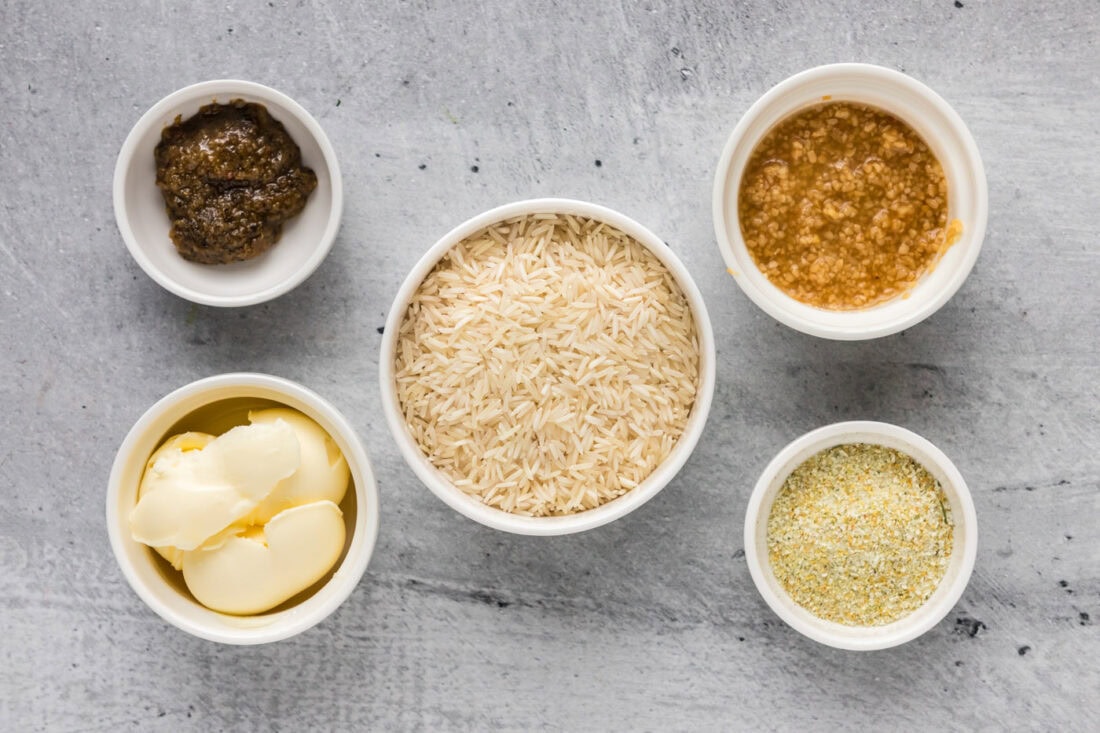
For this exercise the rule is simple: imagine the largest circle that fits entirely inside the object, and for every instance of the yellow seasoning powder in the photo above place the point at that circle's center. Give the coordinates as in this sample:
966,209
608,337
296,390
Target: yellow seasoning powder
860,534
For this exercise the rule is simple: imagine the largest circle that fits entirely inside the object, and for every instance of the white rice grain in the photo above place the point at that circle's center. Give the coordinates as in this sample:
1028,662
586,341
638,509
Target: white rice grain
548,364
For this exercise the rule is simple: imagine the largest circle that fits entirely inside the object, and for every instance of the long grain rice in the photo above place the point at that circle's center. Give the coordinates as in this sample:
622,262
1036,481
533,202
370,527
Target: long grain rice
547,364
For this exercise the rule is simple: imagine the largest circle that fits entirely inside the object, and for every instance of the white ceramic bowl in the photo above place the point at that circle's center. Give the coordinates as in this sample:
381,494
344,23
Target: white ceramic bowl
947,136
225,400
862,638
144,224
439,484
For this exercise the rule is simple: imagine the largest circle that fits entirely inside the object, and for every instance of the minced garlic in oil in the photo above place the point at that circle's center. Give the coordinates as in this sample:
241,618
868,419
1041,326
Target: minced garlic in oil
860,534
844,206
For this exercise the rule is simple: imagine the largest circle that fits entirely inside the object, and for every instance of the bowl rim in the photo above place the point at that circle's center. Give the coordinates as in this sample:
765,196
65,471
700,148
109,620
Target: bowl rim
612,510
348,574
837,635
729,237
213,88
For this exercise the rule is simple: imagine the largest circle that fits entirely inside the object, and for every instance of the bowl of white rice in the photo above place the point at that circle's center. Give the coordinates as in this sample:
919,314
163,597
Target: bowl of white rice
547,367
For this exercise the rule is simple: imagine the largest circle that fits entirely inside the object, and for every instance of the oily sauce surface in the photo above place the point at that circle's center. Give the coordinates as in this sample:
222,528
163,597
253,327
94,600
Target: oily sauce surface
844,206
231,176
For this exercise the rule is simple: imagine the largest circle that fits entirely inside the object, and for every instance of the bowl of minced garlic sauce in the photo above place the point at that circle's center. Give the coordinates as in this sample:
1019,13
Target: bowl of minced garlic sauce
843,206
850,202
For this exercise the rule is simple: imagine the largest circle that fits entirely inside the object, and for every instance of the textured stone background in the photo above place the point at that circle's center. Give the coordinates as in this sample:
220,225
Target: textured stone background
648,623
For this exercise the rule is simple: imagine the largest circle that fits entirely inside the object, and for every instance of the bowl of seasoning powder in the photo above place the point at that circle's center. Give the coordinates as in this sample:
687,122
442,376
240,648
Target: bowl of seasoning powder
861,535
228,193
850,202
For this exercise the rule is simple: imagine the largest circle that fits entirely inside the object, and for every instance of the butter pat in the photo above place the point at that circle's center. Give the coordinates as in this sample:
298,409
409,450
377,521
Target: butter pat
250,518
181,443
187,496
322,474
259,568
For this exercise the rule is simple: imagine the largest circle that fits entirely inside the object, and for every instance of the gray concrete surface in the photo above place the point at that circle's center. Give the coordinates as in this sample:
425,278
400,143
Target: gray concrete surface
650,623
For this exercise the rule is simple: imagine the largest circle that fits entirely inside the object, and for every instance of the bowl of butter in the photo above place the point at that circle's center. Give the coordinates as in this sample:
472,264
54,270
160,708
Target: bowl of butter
242,508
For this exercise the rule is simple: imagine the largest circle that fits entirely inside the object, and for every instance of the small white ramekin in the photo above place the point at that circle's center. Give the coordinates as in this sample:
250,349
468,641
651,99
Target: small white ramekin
461,502
950,141
862,638
146,572
144,224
